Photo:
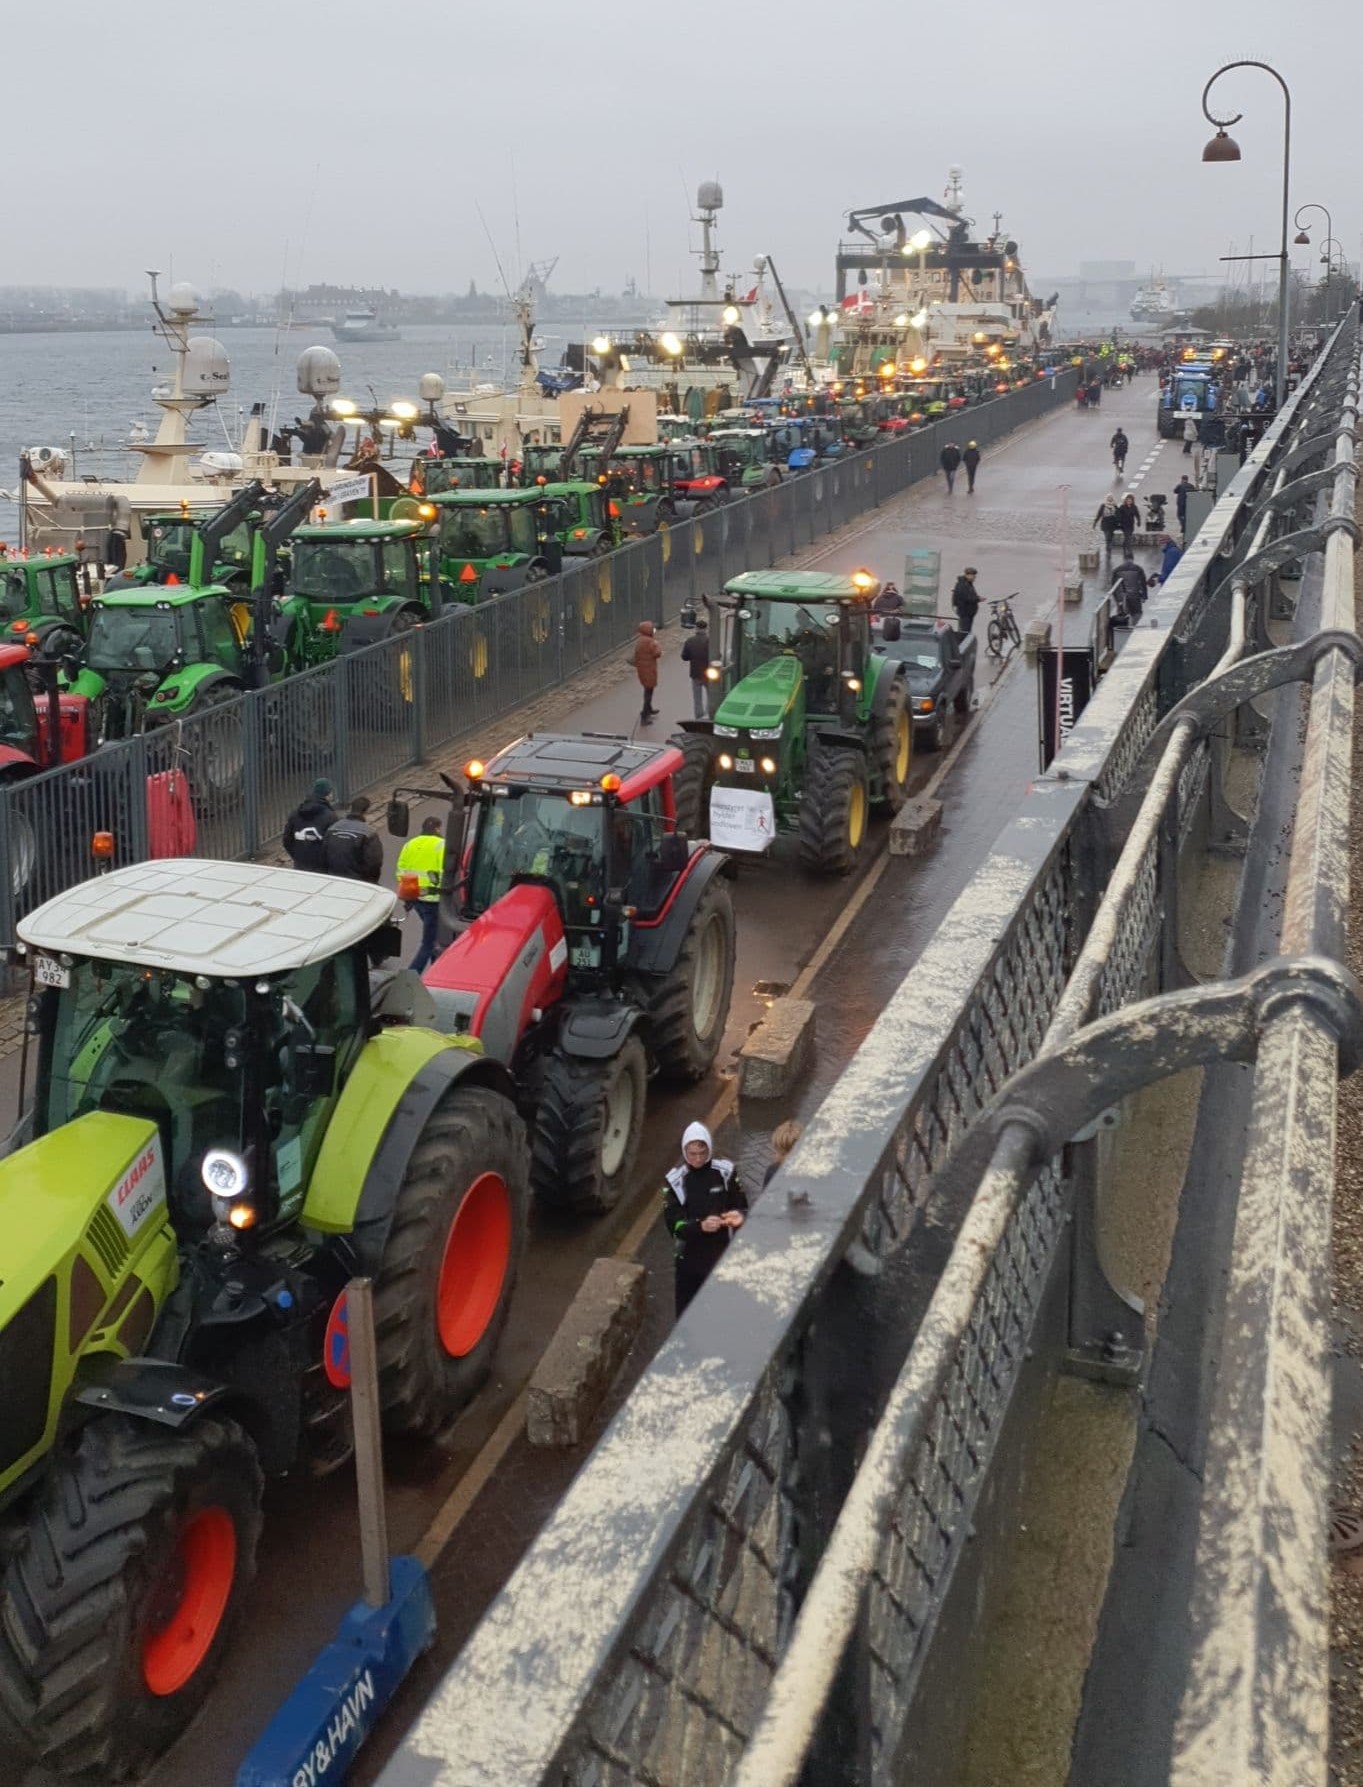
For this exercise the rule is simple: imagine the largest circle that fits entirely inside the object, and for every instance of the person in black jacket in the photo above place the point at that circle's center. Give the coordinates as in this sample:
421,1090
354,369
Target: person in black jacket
950,460
307,826
352,847
1128,518
696,655
1128,592
970,459
965,599
703,1203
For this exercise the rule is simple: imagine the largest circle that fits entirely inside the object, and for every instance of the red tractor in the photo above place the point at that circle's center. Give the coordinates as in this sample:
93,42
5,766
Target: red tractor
38,733
594,945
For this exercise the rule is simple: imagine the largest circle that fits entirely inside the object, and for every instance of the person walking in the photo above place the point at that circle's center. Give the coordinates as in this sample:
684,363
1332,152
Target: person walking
965,599
351,847
421,867
696,655
950,461
646,654
1119,444
970,459
1198,452
1170,554
1128,592
306,828
783,1139
1181,490
1128,519
703,1203
1189,433
1106,518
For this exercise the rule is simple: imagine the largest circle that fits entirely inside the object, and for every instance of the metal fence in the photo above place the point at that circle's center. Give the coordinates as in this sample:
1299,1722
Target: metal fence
746,1582
241,767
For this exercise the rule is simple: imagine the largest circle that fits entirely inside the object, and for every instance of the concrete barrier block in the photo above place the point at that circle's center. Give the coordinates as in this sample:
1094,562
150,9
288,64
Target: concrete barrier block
778,1051
589,1346
1088,558
914,828
1074,589
1036,639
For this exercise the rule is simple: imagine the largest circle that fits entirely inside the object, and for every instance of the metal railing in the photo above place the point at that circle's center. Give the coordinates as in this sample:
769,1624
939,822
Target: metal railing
750,1579
223,782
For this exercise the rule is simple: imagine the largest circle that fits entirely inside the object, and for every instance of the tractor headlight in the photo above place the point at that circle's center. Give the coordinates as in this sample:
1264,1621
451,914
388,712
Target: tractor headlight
768,766
712,673
725,760
225,1174
767,732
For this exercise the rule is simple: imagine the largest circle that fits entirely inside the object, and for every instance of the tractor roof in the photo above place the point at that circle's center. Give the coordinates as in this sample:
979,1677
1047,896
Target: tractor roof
360,530
556,760
567,487
161,595
43,561
801,586
483,499
194,916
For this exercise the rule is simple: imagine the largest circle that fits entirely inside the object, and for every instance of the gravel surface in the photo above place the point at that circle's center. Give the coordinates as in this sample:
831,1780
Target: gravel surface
1346,1671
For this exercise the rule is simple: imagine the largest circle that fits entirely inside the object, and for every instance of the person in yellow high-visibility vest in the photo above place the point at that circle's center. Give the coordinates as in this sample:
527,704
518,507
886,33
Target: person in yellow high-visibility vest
421,864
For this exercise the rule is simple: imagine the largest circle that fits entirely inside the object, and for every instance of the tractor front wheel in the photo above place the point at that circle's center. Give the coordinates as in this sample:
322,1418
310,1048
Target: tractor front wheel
444,1284
588,1122
216,741
123,1588
892,747
833,813
692,1004
691,783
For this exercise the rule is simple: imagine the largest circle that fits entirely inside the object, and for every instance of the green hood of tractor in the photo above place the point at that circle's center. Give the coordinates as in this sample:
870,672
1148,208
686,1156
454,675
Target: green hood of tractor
89,1260
764,697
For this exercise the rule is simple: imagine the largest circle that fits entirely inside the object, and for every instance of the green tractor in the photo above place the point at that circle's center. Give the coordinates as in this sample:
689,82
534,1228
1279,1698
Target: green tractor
179,544
490,541
748,458
235,1115
580,516
42,604
431,476
351,584
810,729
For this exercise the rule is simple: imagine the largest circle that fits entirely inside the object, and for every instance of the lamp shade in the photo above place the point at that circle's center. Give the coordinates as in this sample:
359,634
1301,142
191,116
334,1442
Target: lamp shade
1222,148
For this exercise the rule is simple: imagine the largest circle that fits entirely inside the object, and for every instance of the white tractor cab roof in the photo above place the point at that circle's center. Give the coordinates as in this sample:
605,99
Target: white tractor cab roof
229,920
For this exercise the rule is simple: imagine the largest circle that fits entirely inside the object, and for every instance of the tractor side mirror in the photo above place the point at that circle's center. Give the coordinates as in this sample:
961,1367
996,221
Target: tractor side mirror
399,818
314,1069
276,658
71,666
385,943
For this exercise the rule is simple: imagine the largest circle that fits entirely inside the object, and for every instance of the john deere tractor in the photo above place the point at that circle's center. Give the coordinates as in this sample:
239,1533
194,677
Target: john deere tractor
491,541
595,946
41,604
351,584
234,1115
810,731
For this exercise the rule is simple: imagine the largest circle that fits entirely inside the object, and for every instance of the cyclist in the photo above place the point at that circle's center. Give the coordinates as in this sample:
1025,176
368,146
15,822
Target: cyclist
1119,444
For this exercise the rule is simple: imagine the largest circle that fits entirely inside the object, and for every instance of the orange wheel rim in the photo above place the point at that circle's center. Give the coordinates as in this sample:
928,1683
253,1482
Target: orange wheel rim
190,1600
474,1265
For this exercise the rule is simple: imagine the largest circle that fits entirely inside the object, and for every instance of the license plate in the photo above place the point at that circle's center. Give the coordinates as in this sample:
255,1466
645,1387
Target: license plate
745,766
48,972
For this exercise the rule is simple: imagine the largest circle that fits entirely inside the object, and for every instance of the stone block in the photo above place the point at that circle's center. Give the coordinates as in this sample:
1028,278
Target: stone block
914,828
1036,638
778,1051
1088,558
588,1348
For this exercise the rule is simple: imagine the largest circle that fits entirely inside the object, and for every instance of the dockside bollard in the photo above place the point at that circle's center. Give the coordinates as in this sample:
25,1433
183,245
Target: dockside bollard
318,1731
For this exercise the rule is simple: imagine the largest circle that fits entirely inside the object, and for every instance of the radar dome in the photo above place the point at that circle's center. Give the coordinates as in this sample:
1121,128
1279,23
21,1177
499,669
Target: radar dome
711,196
431,387
182,299
759,264
319,372
208,371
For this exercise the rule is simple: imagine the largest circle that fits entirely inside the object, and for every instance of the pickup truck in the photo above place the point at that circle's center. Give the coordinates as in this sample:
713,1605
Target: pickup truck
938,667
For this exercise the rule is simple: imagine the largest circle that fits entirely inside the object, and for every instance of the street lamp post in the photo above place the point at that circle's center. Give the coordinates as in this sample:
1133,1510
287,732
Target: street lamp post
1224,148
1302,236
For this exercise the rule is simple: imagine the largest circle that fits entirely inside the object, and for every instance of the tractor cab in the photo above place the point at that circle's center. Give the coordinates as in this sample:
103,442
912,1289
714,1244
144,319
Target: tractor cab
157,653
460,474
541,459
743,455
340,565
580,516
40,603
170,547
827,637
222,1063
592,819
491,541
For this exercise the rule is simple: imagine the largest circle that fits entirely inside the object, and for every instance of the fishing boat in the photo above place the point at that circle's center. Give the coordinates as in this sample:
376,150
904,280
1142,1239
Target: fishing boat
365,325
1153,303
937,294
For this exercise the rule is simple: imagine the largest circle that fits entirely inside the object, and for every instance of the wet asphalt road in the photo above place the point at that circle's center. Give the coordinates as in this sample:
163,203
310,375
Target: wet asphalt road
501,1491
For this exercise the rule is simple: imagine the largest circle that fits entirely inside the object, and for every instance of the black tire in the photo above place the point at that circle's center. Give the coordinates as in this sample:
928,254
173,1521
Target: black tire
603,549
994,638
88,1612
692,782
218,746
832,836
892,747
691,1006
965,698
437,1334
23,843
536,571
589,1117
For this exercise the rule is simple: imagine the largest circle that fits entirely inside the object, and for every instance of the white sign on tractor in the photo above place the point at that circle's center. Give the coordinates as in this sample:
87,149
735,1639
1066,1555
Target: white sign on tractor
741,818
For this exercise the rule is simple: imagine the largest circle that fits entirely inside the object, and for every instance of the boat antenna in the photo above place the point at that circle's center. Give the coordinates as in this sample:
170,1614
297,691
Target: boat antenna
497,259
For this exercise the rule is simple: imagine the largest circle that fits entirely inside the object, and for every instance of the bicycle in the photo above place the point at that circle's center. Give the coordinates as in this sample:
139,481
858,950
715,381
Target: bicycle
1002,630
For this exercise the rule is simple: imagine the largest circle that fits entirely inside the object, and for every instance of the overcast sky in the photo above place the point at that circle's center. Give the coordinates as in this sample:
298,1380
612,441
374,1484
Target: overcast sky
352,140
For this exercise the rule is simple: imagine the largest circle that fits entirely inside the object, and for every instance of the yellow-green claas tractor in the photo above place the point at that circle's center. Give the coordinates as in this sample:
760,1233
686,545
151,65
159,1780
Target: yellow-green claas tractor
235,1111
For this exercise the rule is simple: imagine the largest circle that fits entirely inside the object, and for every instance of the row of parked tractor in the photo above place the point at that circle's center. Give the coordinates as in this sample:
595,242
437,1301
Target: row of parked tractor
240,1104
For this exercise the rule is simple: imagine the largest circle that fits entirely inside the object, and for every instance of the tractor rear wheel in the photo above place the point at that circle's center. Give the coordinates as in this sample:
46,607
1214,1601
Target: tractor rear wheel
217,745
834,811
691,783
444,1284
892,747
121,1594
692,1004
588,1121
